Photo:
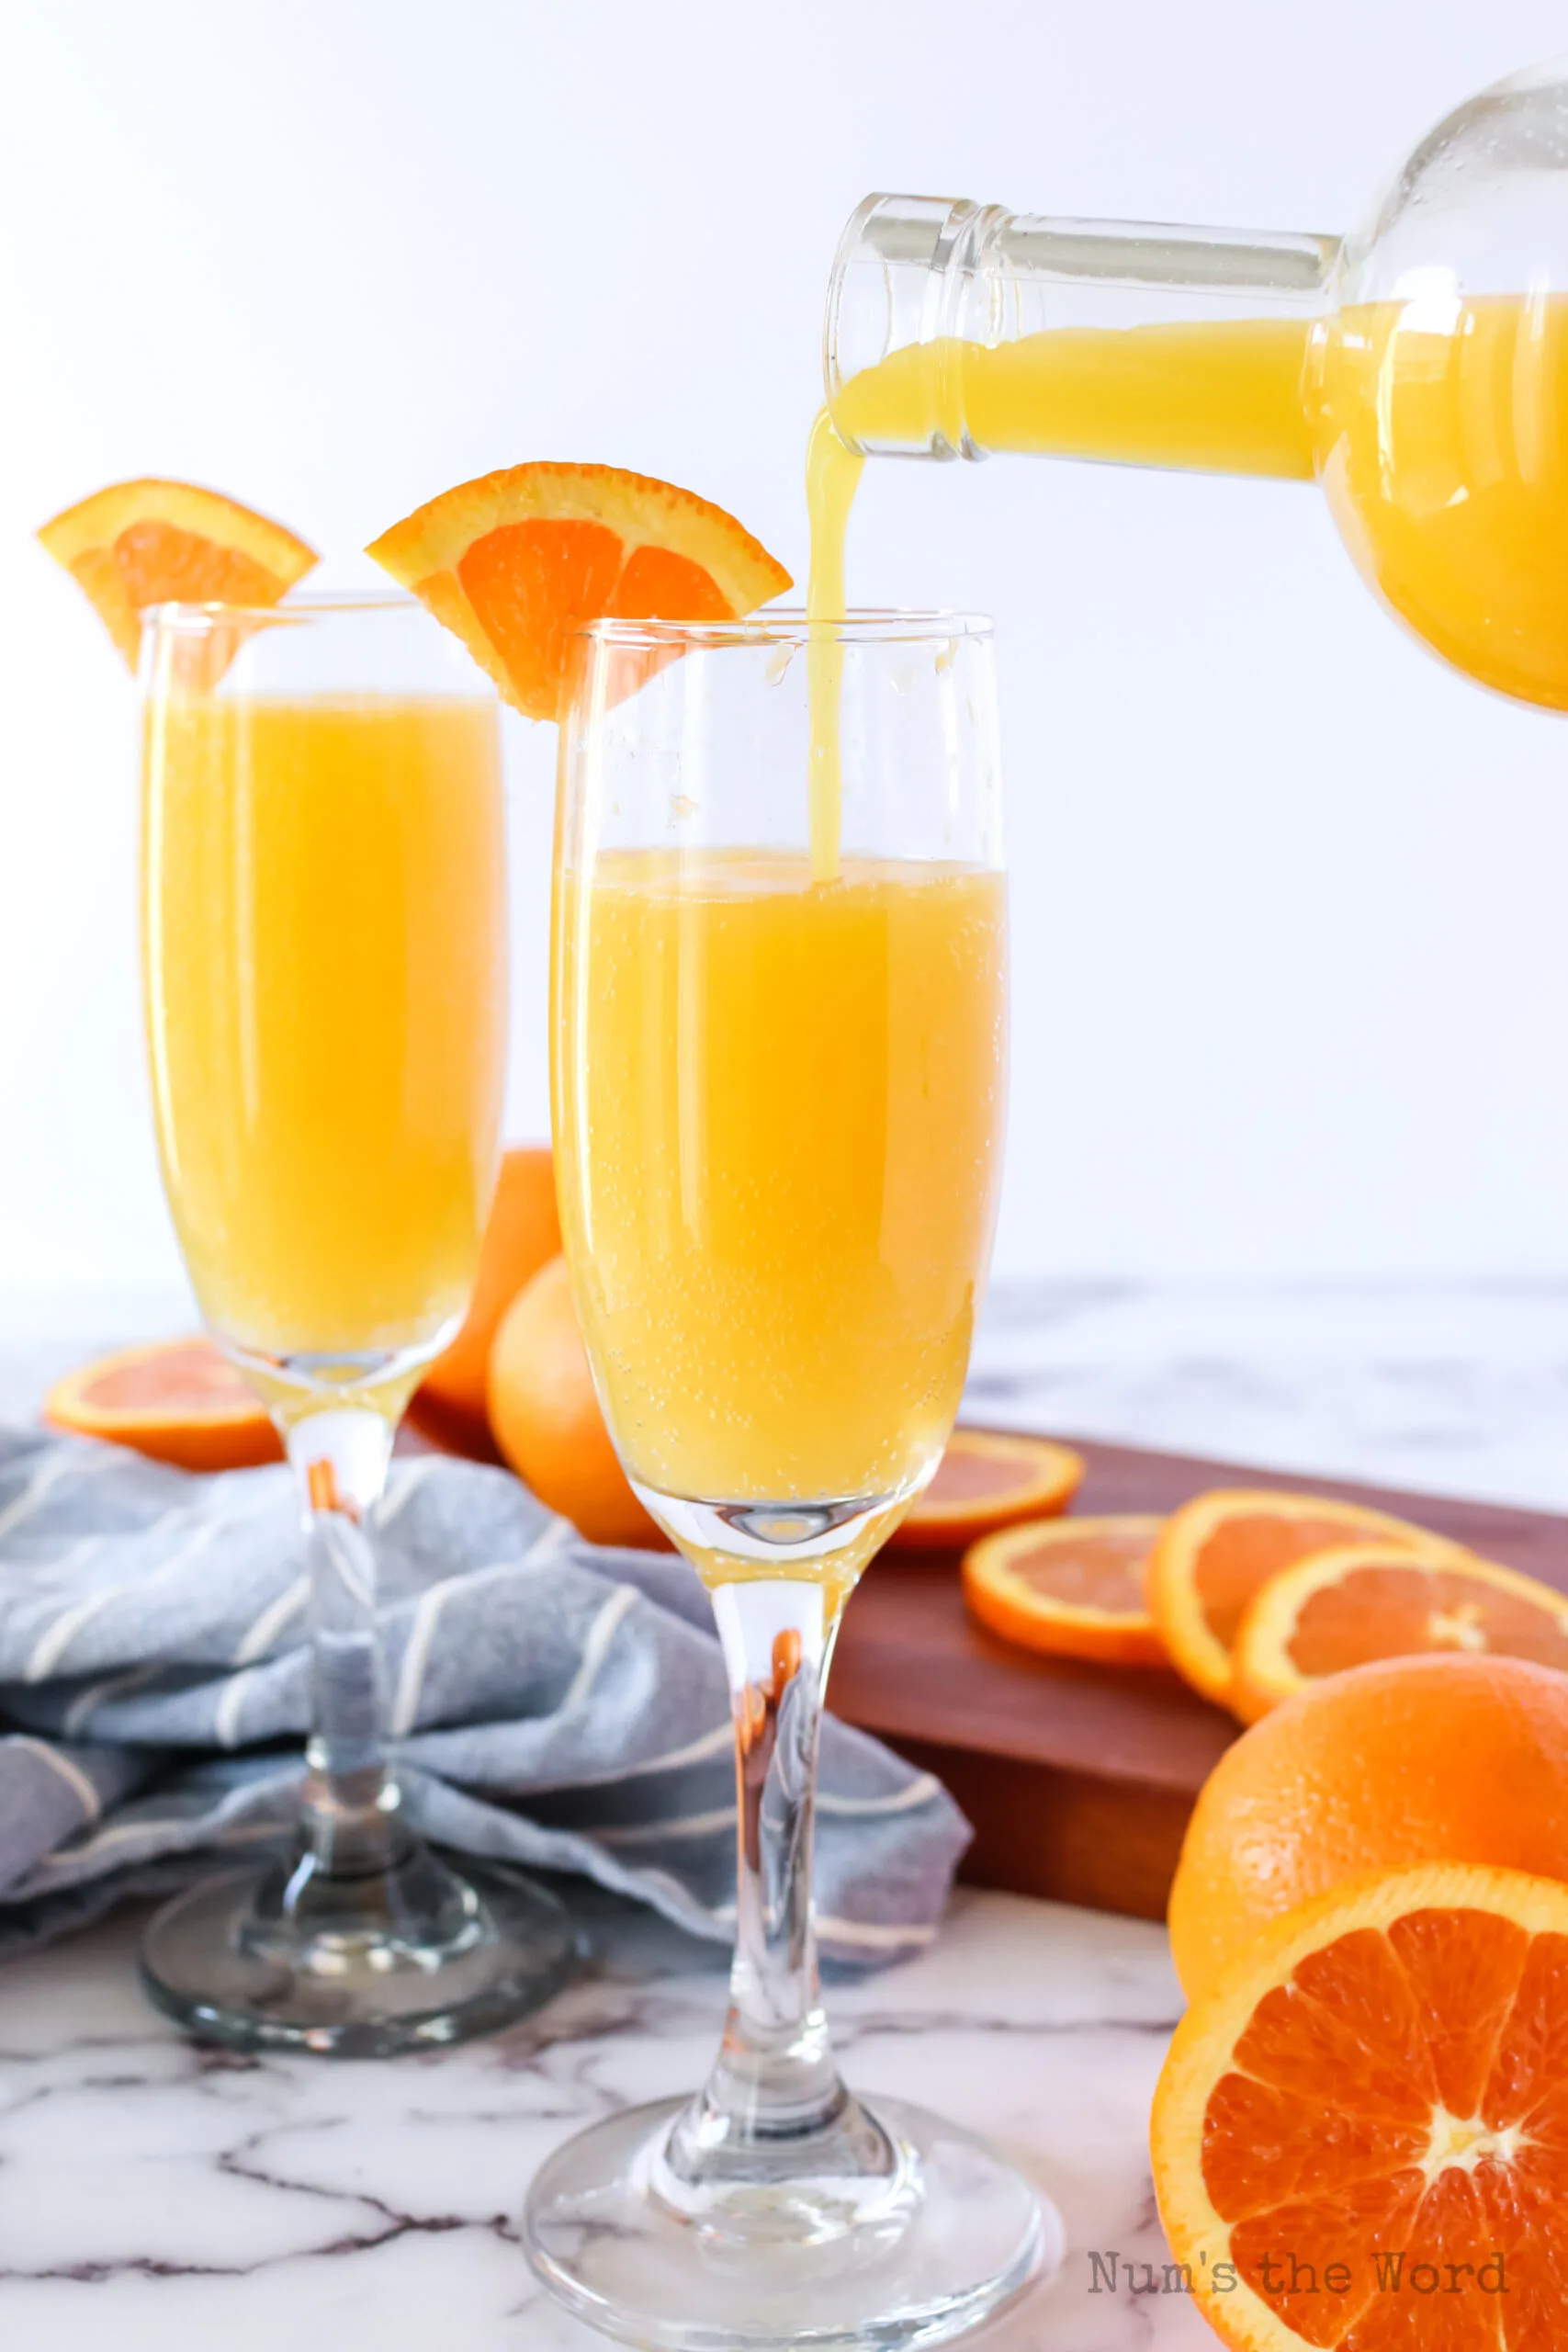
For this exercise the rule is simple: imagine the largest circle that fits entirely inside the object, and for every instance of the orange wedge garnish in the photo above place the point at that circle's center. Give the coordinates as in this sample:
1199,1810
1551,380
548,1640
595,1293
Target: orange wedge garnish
518,561
987,1479
1360,2134
1073,1587
1212,1556
142,543
1359,1602
178,1400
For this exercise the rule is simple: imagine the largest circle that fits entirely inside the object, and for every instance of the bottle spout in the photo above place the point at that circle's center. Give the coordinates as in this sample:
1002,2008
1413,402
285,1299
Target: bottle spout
916,280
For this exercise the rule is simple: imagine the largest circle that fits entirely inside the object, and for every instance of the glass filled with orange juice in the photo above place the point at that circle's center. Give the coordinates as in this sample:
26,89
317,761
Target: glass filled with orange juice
779,1025
324,904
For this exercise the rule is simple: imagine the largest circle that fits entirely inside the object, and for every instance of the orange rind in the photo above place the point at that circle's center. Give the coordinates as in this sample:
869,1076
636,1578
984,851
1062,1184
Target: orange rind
142,543
177,1400
987,1479
1213,1555
1357,1602
517,561
1071,1588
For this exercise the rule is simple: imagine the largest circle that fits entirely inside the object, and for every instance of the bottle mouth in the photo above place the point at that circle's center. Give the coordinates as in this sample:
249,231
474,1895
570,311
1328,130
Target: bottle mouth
906,275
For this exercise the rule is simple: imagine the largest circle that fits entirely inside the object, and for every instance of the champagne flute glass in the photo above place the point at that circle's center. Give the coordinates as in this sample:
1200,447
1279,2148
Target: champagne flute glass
325,970
779,1036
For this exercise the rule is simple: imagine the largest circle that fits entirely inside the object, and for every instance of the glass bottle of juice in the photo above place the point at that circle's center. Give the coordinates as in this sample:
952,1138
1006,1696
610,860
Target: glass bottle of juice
1417,369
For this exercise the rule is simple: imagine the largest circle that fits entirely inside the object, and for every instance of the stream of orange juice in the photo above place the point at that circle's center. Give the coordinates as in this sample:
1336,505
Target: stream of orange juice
325,908
1438,429
779,1132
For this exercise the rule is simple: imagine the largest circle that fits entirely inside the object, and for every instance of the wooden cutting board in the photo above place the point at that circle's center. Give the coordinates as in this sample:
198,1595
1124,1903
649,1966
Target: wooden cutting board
1078,1780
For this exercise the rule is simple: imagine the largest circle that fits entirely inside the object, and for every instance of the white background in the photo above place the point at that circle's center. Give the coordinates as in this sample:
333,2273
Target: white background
1291,964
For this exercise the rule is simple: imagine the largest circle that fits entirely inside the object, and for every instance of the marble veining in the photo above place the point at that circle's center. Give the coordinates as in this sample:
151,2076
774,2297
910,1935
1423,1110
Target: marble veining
155,2195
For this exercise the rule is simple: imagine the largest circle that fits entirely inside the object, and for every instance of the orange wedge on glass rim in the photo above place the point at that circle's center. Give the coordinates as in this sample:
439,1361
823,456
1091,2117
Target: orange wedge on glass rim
1359,1602
987,1479
517,561
142,543
1213,1555
1073,1587
1359,2139
178,1400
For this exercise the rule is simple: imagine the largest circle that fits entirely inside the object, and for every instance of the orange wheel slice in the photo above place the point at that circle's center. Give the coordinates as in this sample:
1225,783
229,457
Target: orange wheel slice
519,560
1359,1602
1071,1587
178,1400
987,1479
142,543
1213,1553
1360,2134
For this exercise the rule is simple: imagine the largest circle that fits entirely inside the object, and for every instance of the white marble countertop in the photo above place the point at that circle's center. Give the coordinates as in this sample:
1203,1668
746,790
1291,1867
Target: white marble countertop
153,2195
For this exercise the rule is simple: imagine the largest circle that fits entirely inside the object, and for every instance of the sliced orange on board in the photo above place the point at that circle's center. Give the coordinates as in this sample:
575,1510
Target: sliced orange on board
1360,2134
1213,1555
1073,1587
142,543
517,561
987,1479
178,1400
1359,1602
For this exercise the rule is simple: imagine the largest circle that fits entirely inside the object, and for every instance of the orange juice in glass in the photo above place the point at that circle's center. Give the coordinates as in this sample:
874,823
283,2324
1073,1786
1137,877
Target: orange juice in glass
326,974
323,910
779,1074
780,1130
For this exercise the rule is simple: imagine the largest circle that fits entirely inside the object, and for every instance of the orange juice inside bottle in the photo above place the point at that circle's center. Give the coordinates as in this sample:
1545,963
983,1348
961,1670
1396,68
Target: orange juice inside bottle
323,900
779,1142
1439,428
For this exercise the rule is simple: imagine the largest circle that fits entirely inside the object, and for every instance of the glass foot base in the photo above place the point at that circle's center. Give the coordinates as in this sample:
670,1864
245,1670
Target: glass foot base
269,1958
959,2234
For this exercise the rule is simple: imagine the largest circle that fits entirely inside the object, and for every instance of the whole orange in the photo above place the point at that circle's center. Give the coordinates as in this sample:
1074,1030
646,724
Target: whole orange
523,1232
1461,1758
546,1417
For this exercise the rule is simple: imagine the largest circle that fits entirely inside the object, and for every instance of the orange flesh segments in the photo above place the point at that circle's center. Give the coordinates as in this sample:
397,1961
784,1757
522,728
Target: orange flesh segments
987,1479
1070,1586
177,1400
1365,2120
1356,1602
142,543
965,1478
517,561
1217,1552
188,1373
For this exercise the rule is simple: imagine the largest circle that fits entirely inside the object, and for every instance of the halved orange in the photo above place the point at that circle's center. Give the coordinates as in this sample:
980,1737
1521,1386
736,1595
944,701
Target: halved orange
1359,1602
1212,1556
517,560
142,543
1071,1587
987,1479
177,1400
1360,2136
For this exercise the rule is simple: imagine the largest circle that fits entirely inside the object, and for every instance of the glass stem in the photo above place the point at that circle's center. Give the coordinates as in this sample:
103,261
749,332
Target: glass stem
350,1824
775,2080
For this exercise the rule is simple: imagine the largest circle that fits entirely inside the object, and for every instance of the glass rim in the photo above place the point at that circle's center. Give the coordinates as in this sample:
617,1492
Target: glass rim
316,604
789,625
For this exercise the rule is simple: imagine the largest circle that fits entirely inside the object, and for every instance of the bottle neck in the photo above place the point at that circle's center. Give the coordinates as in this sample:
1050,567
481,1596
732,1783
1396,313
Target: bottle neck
920,284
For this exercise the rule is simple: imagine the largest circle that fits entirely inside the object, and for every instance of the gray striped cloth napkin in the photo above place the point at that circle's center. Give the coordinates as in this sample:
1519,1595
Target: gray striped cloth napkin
552,1702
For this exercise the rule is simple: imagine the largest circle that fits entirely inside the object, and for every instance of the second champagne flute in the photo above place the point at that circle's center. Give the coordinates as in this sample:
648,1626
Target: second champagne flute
325,954
779,1027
